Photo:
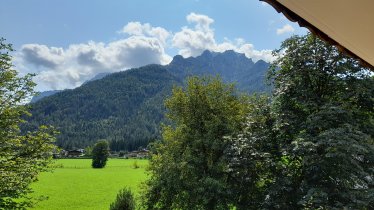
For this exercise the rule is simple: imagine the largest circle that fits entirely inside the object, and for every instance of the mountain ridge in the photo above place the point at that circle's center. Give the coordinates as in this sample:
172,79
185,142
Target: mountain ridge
127,108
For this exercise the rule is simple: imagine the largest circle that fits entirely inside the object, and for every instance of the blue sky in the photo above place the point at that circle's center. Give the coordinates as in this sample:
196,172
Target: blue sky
66,42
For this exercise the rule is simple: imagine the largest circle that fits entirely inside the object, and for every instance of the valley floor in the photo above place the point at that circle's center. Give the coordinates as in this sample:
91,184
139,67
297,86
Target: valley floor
75,185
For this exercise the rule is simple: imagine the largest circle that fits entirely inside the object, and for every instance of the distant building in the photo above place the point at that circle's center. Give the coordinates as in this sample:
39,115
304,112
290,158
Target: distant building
138,154
74,153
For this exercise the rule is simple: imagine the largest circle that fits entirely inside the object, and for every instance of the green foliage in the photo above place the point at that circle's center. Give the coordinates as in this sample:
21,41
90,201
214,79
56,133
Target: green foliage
22,157
189,168
251,156
324,119
311,147
88,151
124,200
100,154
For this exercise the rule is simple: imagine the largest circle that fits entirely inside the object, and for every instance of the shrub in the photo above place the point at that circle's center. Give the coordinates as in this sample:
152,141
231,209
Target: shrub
124,201
100,153
135,165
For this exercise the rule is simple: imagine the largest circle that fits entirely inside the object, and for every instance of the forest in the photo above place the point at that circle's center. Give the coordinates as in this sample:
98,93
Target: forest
127,108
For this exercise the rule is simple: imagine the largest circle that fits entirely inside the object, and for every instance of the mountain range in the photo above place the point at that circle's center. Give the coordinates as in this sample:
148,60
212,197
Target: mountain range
126,108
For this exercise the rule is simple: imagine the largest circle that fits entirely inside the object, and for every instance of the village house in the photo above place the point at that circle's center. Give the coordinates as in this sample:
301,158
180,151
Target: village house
138,154
72,153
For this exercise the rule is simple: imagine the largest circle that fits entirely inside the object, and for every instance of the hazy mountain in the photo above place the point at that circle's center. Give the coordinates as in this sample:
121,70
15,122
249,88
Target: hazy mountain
127,108
43,94
97,77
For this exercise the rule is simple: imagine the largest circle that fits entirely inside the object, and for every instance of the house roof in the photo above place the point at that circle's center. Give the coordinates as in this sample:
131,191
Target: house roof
349,24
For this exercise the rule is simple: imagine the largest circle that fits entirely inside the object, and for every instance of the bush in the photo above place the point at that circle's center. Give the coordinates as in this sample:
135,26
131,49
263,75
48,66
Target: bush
100,153
124,201
135,165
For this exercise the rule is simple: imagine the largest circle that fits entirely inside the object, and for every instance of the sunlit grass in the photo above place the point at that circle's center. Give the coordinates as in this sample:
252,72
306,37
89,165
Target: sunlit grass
75,185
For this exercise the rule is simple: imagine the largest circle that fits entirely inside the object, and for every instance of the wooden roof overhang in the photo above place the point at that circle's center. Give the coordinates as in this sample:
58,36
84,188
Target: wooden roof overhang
348,24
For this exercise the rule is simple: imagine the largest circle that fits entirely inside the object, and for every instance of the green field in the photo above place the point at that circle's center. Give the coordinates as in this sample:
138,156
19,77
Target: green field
75,185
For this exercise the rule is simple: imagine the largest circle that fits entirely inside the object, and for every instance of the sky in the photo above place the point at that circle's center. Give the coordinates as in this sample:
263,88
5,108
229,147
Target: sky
66,42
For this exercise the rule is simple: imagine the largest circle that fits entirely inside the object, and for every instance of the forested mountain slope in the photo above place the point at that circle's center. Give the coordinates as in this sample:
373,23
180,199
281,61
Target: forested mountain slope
127,108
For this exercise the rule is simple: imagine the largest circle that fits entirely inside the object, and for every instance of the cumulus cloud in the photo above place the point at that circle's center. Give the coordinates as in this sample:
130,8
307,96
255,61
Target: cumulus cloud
59,68
285,29
202,21
192,41
138,29
43,56
141,44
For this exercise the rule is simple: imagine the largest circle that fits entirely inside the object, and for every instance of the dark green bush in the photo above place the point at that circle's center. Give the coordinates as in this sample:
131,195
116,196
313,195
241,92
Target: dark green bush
100,154
124,201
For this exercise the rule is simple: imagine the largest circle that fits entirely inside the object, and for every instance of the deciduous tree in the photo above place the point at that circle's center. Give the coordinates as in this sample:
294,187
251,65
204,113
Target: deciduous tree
189,169
312,146
323,105
100,154
22,156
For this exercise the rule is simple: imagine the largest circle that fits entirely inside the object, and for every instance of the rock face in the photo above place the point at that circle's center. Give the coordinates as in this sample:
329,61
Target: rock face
231,66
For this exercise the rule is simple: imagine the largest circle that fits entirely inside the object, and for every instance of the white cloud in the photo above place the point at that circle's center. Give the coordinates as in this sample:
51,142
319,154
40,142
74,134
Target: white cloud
251,52
42,55
285,29
202,21
193,41
138,29
60,68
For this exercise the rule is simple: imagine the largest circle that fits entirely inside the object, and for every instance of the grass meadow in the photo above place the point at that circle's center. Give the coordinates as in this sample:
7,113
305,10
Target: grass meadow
74,185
